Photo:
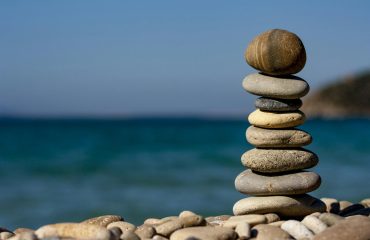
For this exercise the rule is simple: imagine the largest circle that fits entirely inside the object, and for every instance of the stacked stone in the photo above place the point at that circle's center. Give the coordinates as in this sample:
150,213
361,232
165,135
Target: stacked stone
275,176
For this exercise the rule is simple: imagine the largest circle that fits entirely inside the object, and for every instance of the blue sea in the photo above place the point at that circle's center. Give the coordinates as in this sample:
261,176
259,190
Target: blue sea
69,170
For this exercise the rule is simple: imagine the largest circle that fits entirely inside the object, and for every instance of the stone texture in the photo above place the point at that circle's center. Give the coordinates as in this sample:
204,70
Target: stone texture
277,223
277,138
353,228
255,184
243,230
251,219
217,220
145,231
103,220
330,219
332,204
204,233
272,120
284,206
283,87
74,230
344,204
191,220
279,160
314,224
167,228
272,217
124,226
6,235
297,229
268,232
129,235
276,52
277,105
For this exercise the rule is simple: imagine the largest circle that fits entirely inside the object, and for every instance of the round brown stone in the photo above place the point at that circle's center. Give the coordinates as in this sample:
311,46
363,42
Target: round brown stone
276,52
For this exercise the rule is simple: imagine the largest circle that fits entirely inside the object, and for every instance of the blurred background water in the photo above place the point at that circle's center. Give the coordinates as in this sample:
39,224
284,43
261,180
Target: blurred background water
70,170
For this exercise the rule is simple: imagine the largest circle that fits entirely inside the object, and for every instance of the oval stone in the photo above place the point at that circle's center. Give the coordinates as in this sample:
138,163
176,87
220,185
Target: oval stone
251,183
276,120
277,105
103,220
279,160
276,52
284,87
284,206
268,232
273,138
204,233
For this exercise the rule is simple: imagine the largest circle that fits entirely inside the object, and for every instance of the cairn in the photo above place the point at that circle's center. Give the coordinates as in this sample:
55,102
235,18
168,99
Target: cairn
275,177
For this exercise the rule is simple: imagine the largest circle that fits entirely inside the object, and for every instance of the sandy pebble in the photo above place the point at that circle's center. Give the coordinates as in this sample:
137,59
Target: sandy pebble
6,235
129,235
145,231
24,236
167,228
191,220
243,230
251,219
103,220
272,217
297,229
277,223
186,213
314,224
366,202
217,220
268,232
20,230
124,226
204,233
330,219
116,233
159,237
276,120
344,204
316,214
152,221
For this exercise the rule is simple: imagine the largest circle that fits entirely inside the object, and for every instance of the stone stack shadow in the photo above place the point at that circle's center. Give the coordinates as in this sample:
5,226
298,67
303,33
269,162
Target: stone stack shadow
275,175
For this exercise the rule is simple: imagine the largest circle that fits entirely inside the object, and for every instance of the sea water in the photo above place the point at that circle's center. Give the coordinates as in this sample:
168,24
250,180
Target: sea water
69,170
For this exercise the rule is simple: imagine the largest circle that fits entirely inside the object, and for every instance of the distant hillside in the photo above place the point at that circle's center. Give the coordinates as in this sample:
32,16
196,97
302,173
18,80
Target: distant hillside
347,97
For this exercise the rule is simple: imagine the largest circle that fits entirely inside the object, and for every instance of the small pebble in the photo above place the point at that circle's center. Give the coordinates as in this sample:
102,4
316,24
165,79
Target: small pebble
278,223
145,231
243,230
20,230
6,235
344,204
314,224
103,220
191,220
251,219
330,219
124,226
204,233
152,221
167,228
268,232
332,205
129,235
272,217
350,209
297,229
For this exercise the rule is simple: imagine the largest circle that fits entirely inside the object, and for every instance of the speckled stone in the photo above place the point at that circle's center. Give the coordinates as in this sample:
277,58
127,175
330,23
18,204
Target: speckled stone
277,138
262,119
103,220
284,206
277,105
283,87
278,160
259,184
276,52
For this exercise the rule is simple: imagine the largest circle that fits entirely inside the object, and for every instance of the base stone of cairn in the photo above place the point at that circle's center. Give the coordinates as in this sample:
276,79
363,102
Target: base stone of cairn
275,175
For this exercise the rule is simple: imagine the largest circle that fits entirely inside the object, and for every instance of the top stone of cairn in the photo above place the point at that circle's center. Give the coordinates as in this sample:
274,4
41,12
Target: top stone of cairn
276,52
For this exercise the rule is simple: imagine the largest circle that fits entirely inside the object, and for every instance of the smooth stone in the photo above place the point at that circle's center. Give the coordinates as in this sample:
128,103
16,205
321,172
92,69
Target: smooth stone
124,226
167,228
116,233
268,232
191,220
366,202
272,217
152,221
6,235
145,231
272,120
129,235
284,206
332,205
277,223
243,230
25,236
284,87
217,220
277,105
363,211
344,204
255,184
277,138
251,219
354,228
204,233
159,237
279,160
276,52
314,224
297,229
315,214
74,230
103,220
20,230
350,209
330,219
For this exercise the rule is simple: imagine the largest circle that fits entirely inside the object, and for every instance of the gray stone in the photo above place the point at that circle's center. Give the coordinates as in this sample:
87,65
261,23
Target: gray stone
277,105
279,160
284,87
260,184
277,138
268,232
354,228
204,233
297,229
284,206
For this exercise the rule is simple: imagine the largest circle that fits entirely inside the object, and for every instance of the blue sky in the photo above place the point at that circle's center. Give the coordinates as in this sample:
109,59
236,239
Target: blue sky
123,58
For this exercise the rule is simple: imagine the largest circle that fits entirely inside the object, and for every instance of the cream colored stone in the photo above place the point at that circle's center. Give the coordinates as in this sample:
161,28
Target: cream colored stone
272,217
251,219
167,228
145,231
330,219
103,220
297,229
6,235
277,223
314,224
268,232
124,226
129,235
204,233
332,205
276,120
243,230
366,202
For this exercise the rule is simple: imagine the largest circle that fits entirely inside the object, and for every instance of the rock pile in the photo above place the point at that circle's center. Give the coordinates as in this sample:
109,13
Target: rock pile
275,175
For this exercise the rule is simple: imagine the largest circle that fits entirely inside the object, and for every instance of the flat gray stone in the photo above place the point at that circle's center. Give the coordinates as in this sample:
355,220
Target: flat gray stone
278,105
279,160
259,184
277,138
284,206
286,87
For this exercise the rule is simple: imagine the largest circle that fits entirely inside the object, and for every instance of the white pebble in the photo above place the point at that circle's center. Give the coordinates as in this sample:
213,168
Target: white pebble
297,229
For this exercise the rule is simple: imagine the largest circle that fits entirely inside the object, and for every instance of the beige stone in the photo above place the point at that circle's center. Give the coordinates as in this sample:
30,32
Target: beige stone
145,231
243,230
204,233
129,235
332,205
167,228
276,120
6,235
268,232
191,220
251,219
20,230
284,206
103,220
124,226
297,230
330,219
366,202
277,223
24,236
159,237
314,224
344,204
272,217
